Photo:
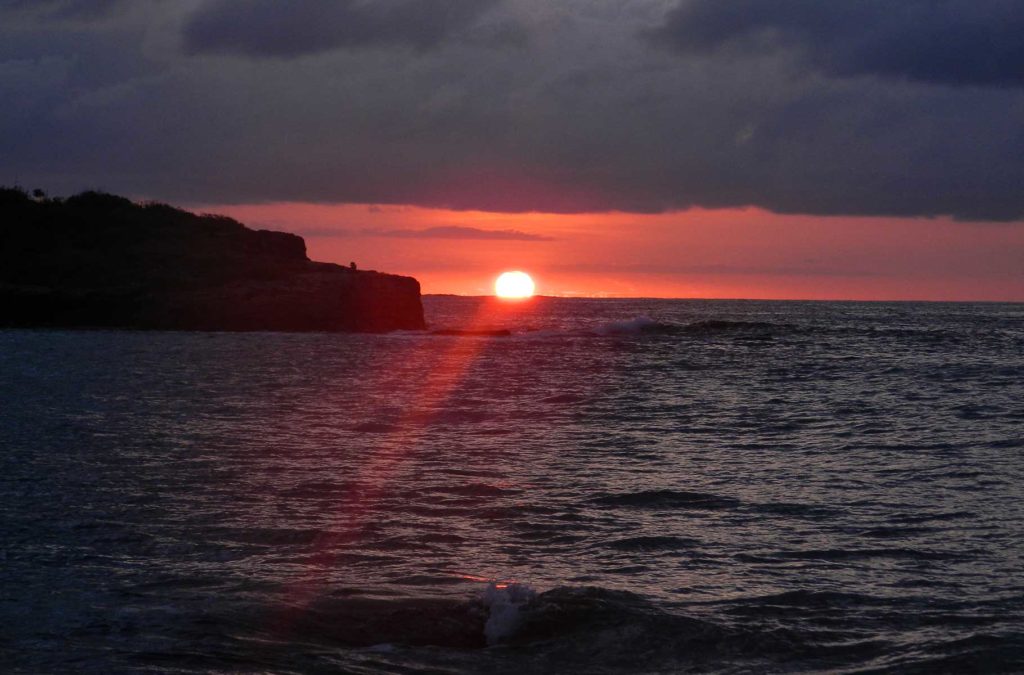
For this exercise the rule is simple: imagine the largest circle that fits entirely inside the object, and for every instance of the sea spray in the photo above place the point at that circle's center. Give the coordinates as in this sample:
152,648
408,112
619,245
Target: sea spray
505,602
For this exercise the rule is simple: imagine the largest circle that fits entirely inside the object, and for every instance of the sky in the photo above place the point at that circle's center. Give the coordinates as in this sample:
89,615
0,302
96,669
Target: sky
851,149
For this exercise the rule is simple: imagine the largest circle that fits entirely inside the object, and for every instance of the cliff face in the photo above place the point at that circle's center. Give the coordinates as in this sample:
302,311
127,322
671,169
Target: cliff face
96,260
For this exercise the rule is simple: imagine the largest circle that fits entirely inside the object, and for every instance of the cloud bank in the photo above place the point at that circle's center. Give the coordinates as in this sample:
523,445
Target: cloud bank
852,107
939,42
270,28
61,9
441,232
458,232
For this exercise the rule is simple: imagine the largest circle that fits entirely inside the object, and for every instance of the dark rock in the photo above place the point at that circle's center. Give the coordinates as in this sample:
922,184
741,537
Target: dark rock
97,260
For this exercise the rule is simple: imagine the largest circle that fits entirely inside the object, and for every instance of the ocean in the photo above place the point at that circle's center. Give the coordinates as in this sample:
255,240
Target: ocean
619,486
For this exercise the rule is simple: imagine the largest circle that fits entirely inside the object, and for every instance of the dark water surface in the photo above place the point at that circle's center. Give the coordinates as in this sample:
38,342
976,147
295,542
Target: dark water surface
722,486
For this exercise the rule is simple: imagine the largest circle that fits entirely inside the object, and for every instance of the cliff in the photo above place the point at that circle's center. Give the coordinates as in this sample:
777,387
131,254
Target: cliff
97,260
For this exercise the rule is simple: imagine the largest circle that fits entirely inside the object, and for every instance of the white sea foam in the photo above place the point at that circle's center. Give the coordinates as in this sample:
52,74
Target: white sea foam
504,603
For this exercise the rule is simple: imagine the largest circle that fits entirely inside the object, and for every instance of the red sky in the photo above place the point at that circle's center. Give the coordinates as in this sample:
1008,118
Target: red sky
726,253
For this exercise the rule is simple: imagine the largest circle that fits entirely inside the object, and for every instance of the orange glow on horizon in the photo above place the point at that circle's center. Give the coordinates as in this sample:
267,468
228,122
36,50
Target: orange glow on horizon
699,253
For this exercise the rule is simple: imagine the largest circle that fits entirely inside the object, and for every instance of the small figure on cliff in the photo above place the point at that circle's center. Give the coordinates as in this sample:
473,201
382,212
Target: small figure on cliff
352,266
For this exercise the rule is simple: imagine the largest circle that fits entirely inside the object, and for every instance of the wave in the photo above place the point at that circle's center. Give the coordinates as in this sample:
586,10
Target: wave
593,629
714,326
796,510
637,326
504,613
366,622
644,325
375,428
842,554
510,626
667,499
806,599
562,398
472,332
737,329
604,619
641,325
654,543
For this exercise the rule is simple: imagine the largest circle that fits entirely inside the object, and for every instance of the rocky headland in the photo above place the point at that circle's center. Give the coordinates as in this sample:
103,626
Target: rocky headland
96,260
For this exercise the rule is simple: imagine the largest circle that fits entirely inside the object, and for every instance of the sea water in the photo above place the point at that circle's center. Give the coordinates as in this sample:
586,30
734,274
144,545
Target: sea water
618,486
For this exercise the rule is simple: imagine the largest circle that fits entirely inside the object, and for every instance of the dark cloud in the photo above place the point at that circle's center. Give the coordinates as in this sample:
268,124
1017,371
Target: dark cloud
62,9
840,268
458,232
954,42
271,28
575,114
441,232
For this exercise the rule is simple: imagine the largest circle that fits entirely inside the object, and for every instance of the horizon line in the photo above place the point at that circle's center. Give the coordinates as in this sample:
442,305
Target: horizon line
642,297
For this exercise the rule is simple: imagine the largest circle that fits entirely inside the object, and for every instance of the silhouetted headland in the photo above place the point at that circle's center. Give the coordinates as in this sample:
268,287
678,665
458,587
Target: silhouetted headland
102,261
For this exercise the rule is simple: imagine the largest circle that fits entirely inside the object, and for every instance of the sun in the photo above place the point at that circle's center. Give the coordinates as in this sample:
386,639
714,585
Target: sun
514,285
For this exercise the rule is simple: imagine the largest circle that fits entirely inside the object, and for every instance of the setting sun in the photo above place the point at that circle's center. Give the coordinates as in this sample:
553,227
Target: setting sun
514,285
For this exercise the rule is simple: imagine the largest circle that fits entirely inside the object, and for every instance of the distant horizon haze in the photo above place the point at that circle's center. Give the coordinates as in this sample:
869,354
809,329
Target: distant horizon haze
746,253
